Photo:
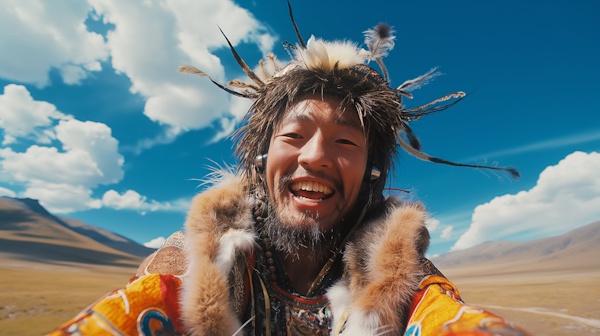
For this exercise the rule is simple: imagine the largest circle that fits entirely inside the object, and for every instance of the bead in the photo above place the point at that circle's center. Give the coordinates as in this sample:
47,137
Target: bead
273,277
269,254
272,269
257,213
260,219
266,241
271,261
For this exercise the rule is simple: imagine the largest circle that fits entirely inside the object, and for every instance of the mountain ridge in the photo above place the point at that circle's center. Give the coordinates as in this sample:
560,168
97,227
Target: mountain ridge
576,249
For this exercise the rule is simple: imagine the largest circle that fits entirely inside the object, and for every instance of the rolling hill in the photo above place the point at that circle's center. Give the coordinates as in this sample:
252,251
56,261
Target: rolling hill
578,250
100,235
32,234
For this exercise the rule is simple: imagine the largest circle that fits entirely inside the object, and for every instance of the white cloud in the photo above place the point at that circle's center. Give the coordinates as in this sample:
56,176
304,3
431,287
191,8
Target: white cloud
44,35
61,197
565,197
446,233
132,200
61,178
7,192
23,117
155,243
546,144
89,158
151,40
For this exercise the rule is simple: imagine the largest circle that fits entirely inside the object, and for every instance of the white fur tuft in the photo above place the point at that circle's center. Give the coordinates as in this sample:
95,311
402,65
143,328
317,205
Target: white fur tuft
229,244
339,299
323,55
362,323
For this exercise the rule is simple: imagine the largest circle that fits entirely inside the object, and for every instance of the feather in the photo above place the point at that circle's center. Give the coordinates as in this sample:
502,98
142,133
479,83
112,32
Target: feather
274,62
379,40
323,55
296,27
422,110
513,172
240,84
412,137
241,62
188,69
383,69
418,82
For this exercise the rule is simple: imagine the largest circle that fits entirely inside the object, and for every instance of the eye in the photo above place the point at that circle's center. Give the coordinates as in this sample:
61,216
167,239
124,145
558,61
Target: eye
292,135
346,142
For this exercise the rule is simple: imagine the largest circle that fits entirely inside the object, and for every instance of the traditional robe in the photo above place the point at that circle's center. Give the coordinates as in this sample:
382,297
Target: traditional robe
213,280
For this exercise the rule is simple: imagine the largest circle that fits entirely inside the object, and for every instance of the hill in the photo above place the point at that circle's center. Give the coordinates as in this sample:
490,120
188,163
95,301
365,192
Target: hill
576,250
29,236
100,235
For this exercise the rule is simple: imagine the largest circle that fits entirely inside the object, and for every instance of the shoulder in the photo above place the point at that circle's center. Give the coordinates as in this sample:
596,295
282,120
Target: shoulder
437,309
171,258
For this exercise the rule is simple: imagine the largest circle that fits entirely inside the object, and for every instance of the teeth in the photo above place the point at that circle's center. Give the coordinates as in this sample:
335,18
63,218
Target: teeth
311,186
310,200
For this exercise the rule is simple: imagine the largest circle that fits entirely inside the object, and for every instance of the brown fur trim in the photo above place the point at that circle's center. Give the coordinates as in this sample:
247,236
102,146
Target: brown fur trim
219,224
383,264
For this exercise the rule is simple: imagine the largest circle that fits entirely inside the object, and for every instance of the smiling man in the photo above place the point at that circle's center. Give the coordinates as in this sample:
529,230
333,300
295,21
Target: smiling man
300,239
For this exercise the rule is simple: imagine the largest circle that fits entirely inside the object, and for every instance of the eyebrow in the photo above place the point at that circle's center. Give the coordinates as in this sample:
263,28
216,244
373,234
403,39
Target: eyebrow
339,121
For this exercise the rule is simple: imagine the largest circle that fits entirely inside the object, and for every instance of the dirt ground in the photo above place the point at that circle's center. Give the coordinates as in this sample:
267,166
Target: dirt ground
36,298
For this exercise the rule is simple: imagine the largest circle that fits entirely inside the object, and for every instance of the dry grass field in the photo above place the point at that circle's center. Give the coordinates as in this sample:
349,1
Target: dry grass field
543,303
35,298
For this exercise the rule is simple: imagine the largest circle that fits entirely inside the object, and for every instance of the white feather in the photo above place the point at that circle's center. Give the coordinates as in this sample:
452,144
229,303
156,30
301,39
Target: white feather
323,55
378,46
416,83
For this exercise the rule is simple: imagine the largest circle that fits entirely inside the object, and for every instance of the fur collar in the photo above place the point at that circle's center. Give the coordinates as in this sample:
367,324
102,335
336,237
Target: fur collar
381,257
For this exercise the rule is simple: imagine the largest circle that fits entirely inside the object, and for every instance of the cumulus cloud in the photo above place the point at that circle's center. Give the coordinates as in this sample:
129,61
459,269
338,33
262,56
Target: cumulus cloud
7,192
155,243
565,197
132,200
61,178
90,157
150,41
23,117
50,35
446,233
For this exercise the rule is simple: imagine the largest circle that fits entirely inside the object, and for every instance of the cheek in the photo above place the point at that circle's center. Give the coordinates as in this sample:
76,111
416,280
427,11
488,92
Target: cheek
353,171
279,160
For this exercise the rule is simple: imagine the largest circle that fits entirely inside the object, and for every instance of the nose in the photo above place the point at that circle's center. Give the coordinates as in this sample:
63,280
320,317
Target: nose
315,154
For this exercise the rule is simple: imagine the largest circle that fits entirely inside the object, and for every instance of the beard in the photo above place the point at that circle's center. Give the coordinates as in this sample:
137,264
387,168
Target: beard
290,233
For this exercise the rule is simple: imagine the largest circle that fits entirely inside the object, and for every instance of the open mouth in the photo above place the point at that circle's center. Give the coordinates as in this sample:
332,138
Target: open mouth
311,191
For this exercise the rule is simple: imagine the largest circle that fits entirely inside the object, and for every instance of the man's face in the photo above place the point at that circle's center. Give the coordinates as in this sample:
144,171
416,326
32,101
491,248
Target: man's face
316,163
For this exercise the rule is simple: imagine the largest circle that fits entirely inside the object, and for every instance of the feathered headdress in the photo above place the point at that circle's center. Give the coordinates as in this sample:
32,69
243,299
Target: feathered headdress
341,69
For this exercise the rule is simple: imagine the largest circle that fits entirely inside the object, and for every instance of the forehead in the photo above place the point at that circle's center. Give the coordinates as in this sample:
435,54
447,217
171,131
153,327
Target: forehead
323,109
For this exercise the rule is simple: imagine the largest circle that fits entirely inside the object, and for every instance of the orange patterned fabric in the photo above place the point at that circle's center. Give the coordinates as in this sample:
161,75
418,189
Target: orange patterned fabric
437,309
145,305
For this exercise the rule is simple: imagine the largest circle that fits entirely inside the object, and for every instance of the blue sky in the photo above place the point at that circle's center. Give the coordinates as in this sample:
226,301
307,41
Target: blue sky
96,123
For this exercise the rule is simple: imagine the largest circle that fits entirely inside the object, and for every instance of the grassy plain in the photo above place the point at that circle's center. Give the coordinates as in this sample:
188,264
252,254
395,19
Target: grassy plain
542,303
36,298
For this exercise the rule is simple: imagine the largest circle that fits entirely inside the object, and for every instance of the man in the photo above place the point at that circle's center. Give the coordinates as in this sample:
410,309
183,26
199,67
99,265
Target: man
300,239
